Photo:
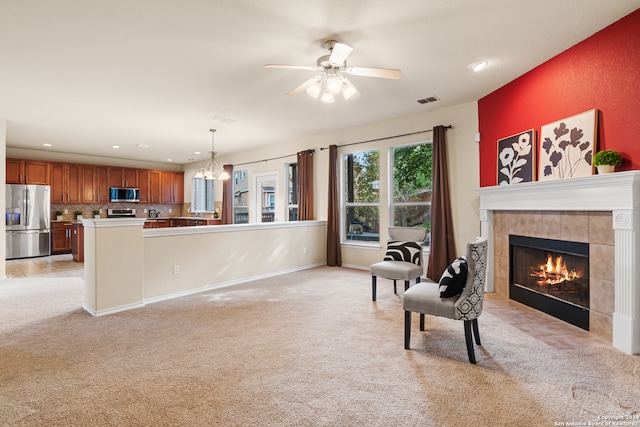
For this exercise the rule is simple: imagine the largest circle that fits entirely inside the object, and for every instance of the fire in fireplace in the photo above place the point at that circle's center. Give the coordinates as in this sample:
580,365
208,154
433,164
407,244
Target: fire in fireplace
553,272
551,276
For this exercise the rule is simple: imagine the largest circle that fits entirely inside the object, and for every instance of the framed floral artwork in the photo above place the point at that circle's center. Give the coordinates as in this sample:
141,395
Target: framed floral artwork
567,147
516,158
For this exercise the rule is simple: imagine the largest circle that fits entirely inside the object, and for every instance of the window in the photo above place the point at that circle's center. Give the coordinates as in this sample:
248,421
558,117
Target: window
202,195
240,197
411,186
292,192
361,196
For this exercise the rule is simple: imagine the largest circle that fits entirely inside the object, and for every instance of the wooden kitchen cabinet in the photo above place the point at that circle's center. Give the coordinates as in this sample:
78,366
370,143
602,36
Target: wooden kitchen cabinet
208,221
88,178
61,237
95,184
101,184
155,185
123,177
157,223
172,187
162,223
66,183
83,183
143,185
27,172
77,242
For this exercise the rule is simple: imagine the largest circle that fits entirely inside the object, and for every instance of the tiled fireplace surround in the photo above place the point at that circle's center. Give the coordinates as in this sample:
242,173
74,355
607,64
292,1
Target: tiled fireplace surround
601,210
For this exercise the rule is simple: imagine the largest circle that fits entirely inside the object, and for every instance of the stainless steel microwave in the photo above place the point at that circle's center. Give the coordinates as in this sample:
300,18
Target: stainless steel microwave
117,194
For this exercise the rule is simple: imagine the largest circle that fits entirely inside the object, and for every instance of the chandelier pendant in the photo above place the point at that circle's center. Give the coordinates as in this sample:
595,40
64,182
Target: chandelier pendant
212,170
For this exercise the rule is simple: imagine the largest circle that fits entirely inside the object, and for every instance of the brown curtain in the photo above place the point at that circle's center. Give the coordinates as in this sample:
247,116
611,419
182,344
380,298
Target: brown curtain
334,257
305,185
443,250
227,196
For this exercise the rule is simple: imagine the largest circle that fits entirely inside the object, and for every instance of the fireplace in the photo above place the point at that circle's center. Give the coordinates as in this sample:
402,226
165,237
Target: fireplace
603,210
551,276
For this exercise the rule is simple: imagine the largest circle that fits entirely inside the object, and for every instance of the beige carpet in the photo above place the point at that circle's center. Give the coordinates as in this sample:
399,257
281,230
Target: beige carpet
303,349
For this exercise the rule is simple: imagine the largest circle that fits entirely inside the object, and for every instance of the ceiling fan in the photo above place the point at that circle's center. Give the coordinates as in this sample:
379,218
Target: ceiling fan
332,79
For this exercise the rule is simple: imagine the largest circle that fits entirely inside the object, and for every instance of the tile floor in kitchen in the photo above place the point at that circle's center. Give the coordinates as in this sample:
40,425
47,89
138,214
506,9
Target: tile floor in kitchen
48,266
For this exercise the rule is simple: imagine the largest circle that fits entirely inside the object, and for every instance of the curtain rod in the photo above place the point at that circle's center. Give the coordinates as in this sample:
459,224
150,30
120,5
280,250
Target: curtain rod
272,158
387,137
344,145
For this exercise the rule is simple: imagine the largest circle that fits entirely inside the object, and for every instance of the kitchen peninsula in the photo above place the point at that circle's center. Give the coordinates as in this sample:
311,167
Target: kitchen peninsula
139,266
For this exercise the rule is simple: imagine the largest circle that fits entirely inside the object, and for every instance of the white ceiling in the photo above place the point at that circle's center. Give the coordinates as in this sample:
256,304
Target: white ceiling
86,75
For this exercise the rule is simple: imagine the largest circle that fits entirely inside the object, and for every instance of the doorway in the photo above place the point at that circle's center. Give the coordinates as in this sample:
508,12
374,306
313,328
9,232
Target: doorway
266,196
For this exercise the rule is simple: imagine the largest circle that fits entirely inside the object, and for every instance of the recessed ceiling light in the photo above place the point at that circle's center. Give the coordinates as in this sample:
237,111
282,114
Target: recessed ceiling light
115,146
477,66
142,146
47,145
196,152
169,160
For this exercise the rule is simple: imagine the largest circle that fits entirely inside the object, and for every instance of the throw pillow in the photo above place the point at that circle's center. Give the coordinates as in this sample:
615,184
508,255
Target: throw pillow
453,279
403,251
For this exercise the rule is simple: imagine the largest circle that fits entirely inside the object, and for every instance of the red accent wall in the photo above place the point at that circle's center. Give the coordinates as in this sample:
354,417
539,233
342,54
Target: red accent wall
601,72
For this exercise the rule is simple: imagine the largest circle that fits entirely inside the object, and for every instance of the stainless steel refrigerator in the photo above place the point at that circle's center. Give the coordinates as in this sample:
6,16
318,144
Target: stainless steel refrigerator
28,219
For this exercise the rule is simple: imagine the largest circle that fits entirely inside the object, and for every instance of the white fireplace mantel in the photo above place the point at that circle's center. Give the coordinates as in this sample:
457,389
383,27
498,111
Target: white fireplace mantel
618,193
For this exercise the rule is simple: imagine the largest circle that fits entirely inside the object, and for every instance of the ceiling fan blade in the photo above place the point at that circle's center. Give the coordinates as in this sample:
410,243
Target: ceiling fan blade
339,53
385,73
294,67
303,86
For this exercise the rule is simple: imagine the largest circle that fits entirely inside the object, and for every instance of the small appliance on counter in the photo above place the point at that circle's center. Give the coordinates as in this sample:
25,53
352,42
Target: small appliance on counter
153,213
121,213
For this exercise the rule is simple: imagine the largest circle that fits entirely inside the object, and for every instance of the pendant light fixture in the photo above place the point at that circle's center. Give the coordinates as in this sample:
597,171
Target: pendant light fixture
212,170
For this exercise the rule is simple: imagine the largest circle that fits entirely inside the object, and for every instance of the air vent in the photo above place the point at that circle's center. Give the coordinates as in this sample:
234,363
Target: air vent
428,100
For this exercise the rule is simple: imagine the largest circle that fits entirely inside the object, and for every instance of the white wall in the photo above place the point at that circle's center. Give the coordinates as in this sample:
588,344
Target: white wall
462,153
225,254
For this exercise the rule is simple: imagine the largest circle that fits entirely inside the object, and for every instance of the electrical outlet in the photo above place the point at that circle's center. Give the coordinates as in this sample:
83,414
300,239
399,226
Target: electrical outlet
176,269
66,211
304,250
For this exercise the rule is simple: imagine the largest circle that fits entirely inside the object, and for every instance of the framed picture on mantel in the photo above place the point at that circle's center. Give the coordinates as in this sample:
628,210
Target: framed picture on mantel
516,158
567,147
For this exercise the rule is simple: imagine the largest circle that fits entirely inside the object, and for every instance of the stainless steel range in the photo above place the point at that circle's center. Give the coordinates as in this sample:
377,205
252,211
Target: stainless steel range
121,213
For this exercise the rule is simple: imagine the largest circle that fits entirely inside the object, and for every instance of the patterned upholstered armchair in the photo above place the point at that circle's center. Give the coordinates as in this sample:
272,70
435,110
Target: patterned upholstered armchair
403,260
425,297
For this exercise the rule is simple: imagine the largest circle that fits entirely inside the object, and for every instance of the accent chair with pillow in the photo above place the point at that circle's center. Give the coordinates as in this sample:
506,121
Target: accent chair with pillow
402,260
458,295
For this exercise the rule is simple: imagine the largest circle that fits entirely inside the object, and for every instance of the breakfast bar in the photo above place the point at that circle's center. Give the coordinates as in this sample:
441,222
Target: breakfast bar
128,266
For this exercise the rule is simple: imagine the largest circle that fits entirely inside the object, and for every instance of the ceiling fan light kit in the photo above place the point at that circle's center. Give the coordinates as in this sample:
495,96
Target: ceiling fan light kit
325,87
331,81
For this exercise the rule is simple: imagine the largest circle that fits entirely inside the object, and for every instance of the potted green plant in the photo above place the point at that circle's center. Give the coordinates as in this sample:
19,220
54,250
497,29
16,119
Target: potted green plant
78,215
59,215
96,213
607,160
